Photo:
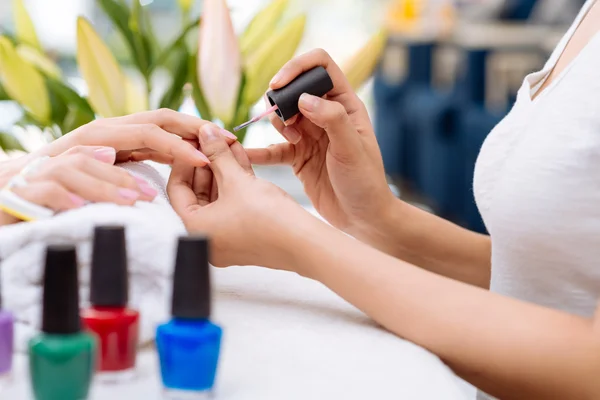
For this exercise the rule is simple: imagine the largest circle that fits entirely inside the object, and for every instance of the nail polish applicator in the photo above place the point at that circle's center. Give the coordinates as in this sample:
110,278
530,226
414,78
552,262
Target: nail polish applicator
284,101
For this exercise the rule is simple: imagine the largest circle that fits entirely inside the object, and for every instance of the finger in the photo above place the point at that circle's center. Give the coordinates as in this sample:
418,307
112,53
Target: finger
291,121
49,194
282,153
105,154
151,155
344,140
179,188
99,170
203,185
133,137
222,161
184,125
342,91
242,158
88,186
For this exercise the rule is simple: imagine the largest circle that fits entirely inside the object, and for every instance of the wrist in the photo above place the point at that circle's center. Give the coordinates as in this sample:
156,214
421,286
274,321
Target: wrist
383,226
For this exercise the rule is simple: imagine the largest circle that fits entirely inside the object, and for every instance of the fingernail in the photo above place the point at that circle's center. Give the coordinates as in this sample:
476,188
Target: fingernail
291,134
276,78
77,200
148,190
128,194
308,102
228,134
211,132
105,154
140,181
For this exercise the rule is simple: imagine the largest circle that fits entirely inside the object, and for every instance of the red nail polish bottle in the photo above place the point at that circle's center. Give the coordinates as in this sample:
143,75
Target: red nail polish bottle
116,325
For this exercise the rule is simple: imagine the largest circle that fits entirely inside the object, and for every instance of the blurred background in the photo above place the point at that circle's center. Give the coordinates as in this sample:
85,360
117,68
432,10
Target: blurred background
436,75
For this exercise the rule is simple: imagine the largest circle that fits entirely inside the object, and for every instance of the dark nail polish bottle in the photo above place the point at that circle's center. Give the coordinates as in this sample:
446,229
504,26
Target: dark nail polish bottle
115,325
189,344
6,340
62,358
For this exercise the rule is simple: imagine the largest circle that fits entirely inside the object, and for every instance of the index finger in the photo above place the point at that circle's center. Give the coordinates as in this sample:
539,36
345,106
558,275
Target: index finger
342,90
184,125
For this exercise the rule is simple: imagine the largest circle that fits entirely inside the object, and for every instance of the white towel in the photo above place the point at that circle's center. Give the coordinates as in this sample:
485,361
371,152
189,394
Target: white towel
151,231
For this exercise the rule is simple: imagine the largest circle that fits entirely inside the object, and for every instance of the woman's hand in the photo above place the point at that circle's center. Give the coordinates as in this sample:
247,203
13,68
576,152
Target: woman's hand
332,148
246,217
152,135
82,173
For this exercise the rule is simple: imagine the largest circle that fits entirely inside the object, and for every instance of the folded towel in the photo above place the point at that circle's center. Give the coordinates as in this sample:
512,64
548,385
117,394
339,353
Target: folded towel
151,231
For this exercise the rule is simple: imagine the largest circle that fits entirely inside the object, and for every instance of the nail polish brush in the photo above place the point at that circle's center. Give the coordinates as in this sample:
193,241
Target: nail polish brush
284,101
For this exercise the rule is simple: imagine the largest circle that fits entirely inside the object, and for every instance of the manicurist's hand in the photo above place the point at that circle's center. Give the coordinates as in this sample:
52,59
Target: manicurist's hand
79,175
332,148
246,217
151,135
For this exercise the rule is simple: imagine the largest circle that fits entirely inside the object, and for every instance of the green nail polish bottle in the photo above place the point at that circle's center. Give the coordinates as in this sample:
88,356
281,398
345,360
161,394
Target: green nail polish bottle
62,358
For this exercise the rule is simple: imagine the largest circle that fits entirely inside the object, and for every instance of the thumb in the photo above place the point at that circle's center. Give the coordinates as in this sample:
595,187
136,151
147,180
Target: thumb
222,159
333,118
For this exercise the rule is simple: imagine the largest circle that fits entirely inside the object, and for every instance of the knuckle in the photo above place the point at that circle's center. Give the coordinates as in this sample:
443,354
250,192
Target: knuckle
337,112
164,113
51,188
322,54
79,160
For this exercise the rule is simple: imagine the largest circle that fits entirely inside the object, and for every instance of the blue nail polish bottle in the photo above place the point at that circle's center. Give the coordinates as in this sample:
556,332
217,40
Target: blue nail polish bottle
189,344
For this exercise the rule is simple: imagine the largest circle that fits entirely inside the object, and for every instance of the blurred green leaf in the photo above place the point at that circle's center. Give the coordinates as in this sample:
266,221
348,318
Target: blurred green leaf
59,108
197,94
69,96
140,44
173,98
3,94
9,142
120,16
177,43
75,118
24,25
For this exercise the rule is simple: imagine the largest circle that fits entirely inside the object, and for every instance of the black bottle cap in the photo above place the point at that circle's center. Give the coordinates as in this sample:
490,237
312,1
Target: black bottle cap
315,81
109,278
191,280
61,291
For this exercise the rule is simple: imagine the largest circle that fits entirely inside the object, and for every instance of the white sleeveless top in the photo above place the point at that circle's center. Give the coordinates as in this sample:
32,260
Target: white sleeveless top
537,186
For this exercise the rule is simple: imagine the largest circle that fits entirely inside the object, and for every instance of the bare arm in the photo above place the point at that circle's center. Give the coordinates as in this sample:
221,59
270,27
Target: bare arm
423,239
508,348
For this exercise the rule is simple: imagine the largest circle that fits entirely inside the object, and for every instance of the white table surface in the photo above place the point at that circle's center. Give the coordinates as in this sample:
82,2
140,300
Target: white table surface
286,338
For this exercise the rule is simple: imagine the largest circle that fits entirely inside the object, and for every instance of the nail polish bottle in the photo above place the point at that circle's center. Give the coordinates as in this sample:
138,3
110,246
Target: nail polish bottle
115,325
189,344
62,358
6,340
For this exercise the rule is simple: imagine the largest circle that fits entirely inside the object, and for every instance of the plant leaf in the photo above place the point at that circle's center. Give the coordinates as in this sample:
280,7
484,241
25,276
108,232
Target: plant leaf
3,94
173,97
23,82
136,99
39,60
25,30
179,41
139,42
9,142
69,95
361,65
75,118
197,94
185,6
262,25
101,72
278,49
59,108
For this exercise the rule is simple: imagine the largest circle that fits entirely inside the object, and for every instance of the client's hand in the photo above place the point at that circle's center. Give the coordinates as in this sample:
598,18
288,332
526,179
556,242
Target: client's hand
245,216
152,135
82,173
332,148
